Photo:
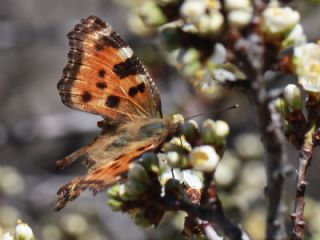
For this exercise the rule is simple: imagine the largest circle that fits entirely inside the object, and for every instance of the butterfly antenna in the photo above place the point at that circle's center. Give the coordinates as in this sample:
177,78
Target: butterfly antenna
213,112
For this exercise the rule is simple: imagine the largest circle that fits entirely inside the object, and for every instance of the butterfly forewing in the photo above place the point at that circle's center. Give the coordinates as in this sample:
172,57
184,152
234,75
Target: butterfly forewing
104,77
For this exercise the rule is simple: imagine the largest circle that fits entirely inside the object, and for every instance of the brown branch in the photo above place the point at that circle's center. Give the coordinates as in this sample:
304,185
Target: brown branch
251,53
273,140
304,163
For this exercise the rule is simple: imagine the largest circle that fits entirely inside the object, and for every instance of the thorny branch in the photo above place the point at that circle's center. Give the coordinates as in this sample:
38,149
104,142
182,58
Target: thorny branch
304,163
214,214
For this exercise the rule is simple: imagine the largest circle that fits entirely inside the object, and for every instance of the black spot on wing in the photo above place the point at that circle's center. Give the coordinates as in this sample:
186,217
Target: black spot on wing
102,73
113,101
133,91
101,85
86,97
131,66
141,87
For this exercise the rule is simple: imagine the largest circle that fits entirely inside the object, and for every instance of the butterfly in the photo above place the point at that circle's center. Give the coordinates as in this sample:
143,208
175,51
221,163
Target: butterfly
103,76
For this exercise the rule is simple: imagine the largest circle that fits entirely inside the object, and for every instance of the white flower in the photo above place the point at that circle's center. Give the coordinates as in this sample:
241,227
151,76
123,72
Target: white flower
7,236
280,20
193,9
238,4
307,63
204,158
240,18
24,232
296,37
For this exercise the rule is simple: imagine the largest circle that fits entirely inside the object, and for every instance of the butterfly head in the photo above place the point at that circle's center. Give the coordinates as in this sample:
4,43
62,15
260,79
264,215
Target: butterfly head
173,125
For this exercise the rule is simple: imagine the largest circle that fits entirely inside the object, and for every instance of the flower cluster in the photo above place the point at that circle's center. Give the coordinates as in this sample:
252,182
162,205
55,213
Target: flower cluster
176,173
199,36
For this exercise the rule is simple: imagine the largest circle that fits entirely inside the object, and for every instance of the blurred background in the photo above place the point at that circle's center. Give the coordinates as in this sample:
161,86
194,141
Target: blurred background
36,129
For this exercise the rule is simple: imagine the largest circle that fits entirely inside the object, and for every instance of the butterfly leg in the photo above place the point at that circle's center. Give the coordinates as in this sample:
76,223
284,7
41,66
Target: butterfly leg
67,161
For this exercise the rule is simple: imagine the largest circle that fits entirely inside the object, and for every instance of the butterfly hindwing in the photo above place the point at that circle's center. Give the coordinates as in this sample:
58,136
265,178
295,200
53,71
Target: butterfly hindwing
103,76
110,155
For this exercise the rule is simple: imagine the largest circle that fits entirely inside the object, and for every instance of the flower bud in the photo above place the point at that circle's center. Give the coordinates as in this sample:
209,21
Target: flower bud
210,24
207,131
221,129
24,232
151,14
169,37
178,144
115,205
190,70
240,18
292,95
193,9
188,55
190,131
204,158
173,158
138,174
150,162
113,192
281,106
131,190
236,5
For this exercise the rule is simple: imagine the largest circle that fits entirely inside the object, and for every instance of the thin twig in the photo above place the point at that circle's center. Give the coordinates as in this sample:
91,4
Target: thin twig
304,162
214,215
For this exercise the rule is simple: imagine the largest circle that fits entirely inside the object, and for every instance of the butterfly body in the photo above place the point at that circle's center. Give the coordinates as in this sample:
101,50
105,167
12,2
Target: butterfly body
103,76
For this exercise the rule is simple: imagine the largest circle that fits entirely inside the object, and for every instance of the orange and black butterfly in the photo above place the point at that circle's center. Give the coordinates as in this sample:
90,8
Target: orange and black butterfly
103,76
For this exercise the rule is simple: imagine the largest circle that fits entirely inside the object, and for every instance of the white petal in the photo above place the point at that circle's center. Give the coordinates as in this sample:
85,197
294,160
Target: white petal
191,179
